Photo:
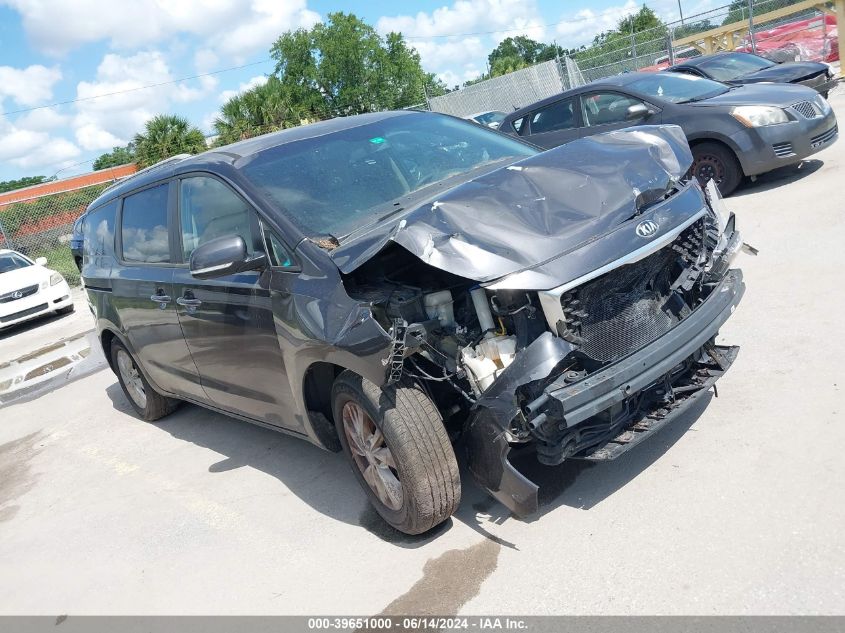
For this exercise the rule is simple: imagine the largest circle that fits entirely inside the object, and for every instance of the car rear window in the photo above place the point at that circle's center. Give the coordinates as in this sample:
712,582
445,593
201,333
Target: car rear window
143,228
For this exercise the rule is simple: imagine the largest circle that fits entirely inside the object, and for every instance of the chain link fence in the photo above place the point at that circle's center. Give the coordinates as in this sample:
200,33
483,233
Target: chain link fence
41,226
782,30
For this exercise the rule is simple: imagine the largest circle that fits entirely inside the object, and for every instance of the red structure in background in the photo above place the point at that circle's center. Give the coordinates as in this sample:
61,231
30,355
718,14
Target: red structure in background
109,174
812,39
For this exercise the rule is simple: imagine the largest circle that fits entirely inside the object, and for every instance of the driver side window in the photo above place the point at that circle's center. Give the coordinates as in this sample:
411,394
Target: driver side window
603,108
209,209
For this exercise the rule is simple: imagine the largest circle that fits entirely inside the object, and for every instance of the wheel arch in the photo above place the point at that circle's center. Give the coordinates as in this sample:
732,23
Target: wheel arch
719,140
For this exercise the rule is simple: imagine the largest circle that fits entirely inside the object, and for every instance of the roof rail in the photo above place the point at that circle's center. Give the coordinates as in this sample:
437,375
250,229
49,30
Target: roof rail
146,170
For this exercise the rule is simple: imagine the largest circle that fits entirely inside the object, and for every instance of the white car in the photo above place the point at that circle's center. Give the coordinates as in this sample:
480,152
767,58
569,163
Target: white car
28,289
490,118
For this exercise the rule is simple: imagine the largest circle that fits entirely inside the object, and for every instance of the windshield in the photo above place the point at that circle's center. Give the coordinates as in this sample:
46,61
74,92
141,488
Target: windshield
336,183
678,88
728,67
12,261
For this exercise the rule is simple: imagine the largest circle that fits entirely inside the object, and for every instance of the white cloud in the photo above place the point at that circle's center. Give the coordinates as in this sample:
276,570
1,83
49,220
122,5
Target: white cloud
103,123
458,58
28,149
28,86
586,24
258,80
237,28
42,120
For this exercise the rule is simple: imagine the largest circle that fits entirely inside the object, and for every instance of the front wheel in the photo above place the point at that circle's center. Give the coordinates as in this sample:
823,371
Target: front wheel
712,161
399,450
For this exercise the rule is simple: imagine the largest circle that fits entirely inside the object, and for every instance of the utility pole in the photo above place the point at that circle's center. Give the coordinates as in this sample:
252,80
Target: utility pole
633,44
751,26
681,11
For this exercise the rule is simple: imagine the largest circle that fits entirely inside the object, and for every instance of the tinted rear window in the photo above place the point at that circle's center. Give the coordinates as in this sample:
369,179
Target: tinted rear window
98,230
143,227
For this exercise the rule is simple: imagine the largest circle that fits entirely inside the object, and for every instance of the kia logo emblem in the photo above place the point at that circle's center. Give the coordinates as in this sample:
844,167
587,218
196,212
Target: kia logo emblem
647,228
17,294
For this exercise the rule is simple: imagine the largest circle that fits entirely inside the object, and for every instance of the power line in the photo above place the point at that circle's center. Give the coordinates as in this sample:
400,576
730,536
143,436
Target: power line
136,89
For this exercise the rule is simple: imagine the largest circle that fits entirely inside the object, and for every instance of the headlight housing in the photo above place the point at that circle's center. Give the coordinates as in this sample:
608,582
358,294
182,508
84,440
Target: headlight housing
759,116
56,278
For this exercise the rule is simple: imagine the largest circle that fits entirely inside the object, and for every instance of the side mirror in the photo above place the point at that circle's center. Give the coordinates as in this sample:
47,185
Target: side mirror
224,256
41,261
637,111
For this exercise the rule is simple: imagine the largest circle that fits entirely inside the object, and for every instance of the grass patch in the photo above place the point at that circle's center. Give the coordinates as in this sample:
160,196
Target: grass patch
60,259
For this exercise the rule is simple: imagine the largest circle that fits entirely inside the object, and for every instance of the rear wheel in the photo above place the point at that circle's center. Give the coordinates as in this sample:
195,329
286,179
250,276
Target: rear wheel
147,402
713,161
399,450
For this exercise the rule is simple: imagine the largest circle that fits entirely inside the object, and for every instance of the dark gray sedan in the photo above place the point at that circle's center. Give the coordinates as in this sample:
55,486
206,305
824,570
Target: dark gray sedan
744,68
734,131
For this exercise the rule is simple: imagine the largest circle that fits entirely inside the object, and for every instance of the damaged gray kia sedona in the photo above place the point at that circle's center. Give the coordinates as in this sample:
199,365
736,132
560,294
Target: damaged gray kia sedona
402,285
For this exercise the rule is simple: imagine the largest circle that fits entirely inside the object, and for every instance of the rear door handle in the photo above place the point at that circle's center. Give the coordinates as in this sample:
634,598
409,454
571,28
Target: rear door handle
190,303
160,298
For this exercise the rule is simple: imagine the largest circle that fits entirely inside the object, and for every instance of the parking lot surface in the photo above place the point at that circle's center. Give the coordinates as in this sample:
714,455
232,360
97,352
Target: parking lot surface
734,509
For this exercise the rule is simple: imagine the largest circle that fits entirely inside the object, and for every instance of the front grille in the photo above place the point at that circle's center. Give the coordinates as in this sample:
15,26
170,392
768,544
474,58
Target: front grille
824,137
631,306
807,109
23,313
782,150
24,292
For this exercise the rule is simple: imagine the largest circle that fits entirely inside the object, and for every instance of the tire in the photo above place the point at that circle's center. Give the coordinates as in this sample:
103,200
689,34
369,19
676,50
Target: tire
153,405
717,162
826,94
66,310
426,485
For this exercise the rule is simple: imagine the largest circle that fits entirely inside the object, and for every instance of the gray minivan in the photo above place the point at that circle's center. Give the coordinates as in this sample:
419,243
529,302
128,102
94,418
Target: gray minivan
408,286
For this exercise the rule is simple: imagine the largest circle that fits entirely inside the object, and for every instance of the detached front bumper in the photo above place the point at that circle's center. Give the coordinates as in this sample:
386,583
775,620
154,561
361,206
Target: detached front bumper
579,407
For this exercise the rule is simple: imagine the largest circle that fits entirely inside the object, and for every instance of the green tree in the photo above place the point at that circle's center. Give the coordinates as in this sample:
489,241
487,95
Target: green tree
262,109
118,156
514,53
20,183
166,135
343,66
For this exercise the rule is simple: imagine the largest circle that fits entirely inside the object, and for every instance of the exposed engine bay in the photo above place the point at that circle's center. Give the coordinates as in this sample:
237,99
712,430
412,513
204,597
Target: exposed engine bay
581,354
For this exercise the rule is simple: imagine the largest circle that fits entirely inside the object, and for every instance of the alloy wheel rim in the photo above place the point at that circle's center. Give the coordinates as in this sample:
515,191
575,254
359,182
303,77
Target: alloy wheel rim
131,379
371,455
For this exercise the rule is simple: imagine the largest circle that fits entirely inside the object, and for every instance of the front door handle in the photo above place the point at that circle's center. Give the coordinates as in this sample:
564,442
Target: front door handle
189,303
160,299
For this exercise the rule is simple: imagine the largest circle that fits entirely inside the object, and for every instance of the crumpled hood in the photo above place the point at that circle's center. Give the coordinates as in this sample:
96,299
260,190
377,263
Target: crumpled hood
786,72
533,210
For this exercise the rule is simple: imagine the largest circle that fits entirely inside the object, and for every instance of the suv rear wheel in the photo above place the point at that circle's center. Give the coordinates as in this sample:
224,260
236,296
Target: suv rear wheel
400,451
147,402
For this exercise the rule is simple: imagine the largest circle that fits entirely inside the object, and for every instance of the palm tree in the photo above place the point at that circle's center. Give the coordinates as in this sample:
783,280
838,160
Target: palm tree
262,109
166,135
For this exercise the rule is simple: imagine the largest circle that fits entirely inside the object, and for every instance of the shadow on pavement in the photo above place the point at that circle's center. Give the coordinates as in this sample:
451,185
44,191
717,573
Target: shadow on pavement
26,326
779,177
323,480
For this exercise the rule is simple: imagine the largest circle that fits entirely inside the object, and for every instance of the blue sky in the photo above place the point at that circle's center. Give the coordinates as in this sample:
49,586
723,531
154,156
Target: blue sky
63,50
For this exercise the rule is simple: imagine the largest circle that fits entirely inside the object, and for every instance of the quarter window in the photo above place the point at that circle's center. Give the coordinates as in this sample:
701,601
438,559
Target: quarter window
276,250
557,116
209,209
602,108
144,226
